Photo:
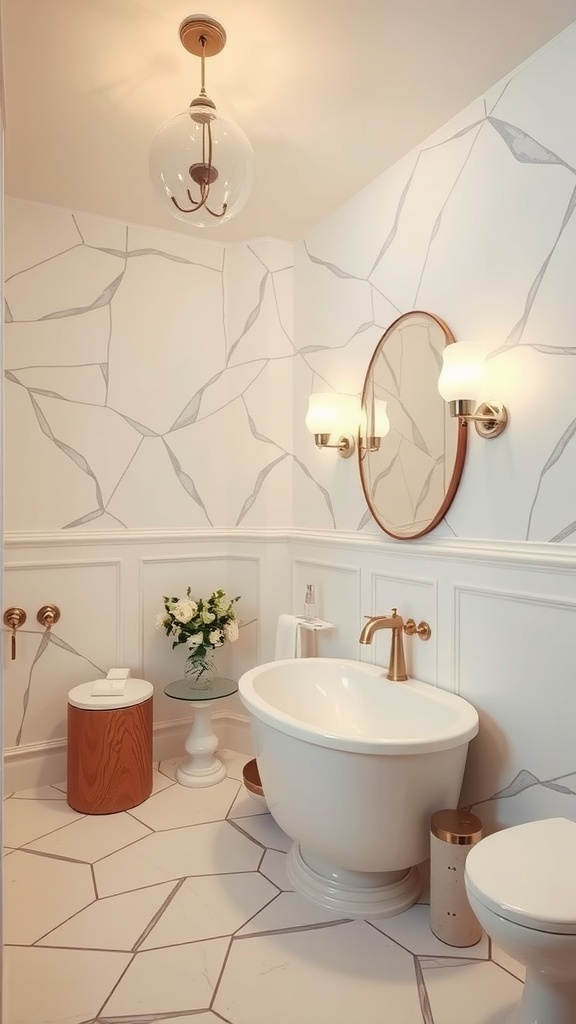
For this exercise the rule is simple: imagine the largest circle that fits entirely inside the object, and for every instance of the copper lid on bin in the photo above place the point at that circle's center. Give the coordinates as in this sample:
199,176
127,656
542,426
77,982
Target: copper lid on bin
456,826
251,777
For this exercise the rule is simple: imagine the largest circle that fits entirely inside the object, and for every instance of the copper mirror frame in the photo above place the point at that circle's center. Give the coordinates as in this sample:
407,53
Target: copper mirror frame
410,481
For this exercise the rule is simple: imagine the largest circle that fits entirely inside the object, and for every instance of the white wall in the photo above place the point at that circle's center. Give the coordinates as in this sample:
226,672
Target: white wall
477,226
156,396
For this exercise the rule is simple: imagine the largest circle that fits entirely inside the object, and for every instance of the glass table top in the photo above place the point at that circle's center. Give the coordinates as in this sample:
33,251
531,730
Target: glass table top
184,689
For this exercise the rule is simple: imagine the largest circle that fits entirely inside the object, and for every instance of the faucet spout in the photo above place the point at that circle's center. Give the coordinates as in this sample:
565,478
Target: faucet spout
395,622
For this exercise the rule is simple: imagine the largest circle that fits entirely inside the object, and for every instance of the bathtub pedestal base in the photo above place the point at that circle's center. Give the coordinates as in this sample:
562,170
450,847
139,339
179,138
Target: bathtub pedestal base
356,894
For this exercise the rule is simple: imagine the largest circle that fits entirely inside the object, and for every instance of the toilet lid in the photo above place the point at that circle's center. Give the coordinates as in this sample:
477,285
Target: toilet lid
527,874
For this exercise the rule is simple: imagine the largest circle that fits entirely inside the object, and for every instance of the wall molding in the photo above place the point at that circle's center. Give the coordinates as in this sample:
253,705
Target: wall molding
555,557
43,764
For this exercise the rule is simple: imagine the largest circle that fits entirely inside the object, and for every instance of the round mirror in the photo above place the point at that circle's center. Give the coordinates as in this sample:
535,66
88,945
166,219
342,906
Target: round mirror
410,473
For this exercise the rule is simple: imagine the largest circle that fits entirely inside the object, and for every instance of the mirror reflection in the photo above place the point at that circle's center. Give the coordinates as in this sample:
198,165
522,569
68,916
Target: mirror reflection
410,474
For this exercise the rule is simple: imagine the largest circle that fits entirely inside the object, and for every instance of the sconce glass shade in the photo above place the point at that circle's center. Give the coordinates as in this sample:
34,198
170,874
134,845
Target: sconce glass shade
463,376
323,416
374,420
381,421
179,166
329,413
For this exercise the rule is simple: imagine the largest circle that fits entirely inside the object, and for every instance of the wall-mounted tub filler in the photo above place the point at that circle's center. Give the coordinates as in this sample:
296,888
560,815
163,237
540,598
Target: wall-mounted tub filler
353,765
395,622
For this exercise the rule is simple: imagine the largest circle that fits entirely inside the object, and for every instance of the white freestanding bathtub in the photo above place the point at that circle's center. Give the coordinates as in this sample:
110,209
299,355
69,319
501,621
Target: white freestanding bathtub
352,767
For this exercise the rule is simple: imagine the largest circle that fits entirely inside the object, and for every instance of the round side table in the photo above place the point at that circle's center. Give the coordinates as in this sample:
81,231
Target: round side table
201,768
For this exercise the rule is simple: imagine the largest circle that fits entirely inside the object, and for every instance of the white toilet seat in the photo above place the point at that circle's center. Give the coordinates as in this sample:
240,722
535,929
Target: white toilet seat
527,874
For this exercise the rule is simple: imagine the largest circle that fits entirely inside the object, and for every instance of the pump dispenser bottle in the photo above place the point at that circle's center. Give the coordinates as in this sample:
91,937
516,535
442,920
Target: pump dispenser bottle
309,603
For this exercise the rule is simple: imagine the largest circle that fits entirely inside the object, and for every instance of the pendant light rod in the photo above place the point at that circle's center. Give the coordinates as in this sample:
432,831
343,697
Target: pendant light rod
201,162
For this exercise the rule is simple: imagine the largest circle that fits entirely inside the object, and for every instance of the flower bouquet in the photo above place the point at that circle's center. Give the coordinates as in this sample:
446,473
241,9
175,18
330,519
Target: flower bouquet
202,624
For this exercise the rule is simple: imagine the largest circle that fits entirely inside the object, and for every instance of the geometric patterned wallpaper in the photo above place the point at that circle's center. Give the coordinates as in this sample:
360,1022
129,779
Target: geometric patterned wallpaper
478,226
157,381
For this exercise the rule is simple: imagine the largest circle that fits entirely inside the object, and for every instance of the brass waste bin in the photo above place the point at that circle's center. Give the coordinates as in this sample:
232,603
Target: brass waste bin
453,834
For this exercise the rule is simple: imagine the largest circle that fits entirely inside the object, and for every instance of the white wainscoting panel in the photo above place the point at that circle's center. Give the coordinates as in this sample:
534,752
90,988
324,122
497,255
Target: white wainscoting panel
85,642
337,592
502,616
515,661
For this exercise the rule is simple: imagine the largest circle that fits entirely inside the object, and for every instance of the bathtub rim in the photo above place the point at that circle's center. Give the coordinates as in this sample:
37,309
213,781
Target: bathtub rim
290,726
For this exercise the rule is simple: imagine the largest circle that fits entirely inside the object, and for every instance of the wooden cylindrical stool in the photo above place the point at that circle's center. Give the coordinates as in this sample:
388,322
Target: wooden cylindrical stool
109,748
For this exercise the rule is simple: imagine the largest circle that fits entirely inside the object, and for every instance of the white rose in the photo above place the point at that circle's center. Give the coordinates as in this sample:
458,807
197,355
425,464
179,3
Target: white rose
162,620
207,617
215,638
184,611
231,631
195,640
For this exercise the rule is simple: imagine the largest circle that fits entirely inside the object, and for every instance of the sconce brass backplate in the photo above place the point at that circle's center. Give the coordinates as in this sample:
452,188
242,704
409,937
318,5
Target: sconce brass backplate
198,27
346,445
494,419
48,614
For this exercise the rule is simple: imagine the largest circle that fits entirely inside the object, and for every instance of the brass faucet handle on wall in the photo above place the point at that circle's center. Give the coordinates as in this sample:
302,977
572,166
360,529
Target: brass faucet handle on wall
48,614
14,618
422,629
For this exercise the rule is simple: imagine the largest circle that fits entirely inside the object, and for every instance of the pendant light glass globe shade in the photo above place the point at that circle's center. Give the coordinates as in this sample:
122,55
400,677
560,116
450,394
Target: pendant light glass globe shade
200,159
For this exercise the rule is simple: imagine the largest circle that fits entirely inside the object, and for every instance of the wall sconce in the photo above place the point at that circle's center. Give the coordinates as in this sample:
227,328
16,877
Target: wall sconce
201,162
462,382
375,426
330,414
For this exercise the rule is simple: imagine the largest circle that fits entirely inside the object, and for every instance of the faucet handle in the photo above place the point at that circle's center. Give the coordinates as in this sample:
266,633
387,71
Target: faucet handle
422,629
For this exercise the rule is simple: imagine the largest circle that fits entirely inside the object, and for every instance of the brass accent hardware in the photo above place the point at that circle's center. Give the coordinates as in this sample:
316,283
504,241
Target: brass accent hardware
14,618
458,827
489,418
346,444
395,622
200,34
422,629
48,614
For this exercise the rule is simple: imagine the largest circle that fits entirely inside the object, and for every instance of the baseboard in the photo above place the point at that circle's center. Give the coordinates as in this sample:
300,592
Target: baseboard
43,764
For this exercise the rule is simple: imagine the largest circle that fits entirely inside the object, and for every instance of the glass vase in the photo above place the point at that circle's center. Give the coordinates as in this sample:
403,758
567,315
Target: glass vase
199,670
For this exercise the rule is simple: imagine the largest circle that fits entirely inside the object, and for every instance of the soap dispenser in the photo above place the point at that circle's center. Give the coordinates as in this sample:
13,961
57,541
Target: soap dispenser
309,603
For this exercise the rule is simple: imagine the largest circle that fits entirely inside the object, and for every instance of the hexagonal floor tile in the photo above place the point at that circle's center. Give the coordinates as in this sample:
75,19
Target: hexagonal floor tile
92,837
412,930
339,973
115,922
42,892
486,991
264,830
164,981
207,907
209,849
26,820
288,910
58,985
178,805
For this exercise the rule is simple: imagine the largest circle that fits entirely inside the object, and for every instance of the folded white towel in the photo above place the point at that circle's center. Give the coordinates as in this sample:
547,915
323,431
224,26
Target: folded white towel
288,638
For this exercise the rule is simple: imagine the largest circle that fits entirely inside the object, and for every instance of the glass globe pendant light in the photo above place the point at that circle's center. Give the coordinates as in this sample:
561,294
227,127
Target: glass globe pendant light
201,162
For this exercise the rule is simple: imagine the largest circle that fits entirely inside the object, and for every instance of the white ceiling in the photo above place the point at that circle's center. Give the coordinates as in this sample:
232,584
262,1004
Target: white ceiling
330,93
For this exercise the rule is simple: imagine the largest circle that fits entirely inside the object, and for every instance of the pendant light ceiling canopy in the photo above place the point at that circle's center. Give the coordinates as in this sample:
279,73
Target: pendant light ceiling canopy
201,162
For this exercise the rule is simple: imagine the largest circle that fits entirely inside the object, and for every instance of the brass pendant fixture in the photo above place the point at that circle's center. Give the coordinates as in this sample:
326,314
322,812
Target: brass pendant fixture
201,162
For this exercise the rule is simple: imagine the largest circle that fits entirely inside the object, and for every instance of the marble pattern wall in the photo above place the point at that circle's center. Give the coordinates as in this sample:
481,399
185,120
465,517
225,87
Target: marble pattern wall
148,377
477,226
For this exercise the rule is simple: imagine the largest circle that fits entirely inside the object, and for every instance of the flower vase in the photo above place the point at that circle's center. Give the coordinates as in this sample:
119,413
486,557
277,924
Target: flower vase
199,671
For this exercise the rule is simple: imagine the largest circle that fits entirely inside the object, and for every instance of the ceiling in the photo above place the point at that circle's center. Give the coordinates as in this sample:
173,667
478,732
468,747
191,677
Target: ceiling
330,93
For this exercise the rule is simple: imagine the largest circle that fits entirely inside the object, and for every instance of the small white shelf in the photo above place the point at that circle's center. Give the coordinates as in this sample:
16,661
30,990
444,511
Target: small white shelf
314,624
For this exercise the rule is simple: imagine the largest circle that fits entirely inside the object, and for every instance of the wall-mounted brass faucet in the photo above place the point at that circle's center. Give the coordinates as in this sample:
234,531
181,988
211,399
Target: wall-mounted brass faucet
14,618
395,622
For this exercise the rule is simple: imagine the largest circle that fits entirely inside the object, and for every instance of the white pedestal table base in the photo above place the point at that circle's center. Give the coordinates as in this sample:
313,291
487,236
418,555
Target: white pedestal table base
201,768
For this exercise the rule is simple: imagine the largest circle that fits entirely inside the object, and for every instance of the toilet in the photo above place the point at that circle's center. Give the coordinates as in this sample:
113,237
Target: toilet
521,885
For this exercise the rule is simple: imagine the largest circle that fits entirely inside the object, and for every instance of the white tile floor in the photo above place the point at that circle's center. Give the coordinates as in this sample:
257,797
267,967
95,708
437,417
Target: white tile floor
180,910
